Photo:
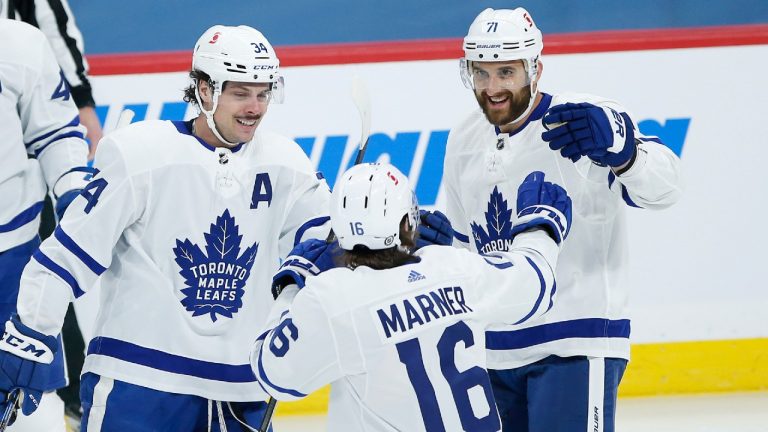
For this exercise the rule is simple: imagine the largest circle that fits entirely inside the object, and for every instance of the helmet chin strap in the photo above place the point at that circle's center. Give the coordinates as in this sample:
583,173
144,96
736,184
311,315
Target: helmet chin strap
209,115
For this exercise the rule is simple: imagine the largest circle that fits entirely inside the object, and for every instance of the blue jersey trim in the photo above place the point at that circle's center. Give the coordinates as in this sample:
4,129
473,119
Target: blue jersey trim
167,362
74,122
580,328
536,114
59,271
185,127
627,199
72,134
316,222
76,250
460,237
542,289
264,379
23,218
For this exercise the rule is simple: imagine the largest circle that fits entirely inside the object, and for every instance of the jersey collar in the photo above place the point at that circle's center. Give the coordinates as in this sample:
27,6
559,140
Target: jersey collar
536,114
185,127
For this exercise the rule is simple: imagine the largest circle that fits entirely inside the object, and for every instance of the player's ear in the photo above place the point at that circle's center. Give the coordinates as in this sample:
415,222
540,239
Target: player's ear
206,93
539,69
407,233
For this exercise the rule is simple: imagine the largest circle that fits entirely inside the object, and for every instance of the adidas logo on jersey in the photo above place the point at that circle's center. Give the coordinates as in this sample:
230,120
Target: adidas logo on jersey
414,276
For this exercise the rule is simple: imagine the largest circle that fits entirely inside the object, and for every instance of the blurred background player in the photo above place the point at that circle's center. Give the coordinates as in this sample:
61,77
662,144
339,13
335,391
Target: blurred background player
400,335
601,159
43,149
55,19
185,223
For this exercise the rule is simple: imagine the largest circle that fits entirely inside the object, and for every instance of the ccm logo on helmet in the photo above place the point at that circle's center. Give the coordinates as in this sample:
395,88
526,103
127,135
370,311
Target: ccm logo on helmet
214,38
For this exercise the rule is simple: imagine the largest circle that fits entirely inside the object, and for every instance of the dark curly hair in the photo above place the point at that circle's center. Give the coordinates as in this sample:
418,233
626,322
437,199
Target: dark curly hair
197,76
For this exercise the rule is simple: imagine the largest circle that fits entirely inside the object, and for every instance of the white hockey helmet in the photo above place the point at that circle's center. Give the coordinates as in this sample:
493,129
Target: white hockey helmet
367,205
239,54
502,35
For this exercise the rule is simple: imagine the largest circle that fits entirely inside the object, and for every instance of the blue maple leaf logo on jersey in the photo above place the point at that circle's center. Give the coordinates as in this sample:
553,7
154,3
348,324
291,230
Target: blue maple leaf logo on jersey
215,278
498,220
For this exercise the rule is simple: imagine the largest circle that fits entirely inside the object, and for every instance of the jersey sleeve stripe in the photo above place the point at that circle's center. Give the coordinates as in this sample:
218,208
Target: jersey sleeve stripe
59,271
76,250
74,122
167,362
627,199
72,134
542,290
312,223
579,328
460,237
262,376
23,218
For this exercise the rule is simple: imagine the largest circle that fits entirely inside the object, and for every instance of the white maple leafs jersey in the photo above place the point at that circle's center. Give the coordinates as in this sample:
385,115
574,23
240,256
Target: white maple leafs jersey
186,238
37,119
483,170
403,348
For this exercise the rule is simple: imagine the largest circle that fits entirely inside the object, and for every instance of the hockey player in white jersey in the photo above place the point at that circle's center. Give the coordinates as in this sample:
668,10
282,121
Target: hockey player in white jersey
591,146
185,223
42,149
398,334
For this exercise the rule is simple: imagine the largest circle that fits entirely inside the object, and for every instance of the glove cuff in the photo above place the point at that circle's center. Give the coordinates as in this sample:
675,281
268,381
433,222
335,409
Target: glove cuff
28,343
549,218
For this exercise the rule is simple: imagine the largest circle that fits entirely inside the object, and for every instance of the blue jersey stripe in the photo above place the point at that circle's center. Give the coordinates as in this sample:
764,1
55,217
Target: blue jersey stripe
264,379
316,222
542,289
23,218
627,199
167,362
73,247
75,121
60,271
75,134
580,328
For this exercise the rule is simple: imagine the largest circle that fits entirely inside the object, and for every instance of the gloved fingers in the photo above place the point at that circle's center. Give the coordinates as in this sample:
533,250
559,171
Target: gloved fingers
436,220
564,112
31,401
433,236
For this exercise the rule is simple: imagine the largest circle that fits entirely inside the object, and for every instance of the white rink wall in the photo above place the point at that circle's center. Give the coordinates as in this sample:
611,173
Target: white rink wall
699,269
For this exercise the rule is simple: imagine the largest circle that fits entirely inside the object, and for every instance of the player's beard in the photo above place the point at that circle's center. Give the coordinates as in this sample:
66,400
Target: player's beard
518,103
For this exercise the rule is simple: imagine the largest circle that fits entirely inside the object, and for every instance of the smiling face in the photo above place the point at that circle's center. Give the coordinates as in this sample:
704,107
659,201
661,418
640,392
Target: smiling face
502,89
240,109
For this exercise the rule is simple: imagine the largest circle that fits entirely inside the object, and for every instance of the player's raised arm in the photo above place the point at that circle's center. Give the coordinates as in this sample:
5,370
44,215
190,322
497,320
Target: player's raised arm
643,170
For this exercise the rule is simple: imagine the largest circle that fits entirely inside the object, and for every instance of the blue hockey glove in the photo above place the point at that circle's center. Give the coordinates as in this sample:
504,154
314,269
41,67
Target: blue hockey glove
434,229
24,357
541,204
308,258
602,134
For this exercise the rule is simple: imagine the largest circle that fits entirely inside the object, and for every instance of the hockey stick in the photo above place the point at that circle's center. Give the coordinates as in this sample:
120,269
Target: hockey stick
363,103
126,116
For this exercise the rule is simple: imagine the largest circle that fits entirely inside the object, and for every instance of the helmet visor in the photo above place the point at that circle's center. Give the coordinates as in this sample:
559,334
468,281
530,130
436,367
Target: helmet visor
494,75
